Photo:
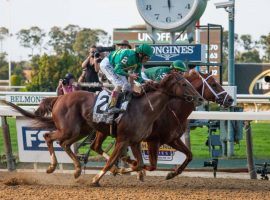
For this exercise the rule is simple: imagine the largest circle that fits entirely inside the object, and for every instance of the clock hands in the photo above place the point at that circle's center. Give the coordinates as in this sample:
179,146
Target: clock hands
169,4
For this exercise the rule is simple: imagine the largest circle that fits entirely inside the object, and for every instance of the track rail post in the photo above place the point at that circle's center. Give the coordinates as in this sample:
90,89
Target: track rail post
7,144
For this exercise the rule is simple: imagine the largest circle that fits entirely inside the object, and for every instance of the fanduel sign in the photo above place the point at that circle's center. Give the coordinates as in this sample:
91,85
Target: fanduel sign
191,53
32,146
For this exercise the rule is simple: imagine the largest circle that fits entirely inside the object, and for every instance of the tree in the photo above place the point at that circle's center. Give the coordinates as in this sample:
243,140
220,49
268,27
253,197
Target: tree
48,70
3,34
31,38
265,43
250,53
15,80
84,40
246,42
3,67
62,40
252,56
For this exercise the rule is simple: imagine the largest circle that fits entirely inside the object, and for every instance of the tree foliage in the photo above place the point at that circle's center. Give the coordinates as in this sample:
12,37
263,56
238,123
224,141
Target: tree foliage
3,35
31,38
265,42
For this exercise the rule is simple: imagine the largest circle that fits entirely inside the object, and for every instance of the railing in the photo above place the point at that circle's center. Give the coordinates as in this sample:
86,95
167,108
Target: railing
241,98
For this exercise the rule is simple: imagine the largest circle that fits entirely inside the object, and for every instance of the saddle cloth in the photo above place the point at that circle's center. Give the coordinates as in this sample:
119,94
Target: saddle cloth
100,113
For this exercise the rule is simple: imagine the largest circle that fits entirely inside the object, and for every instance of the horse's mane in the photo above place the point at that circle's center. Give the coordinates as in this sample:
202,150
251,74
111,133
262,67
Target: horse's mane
147,87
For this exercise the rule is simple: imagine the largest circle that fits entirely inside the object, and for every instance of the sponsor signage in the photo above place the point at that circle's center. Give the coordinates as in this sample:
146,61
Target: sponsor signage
24,99
32,146
249,78
166,154
169,53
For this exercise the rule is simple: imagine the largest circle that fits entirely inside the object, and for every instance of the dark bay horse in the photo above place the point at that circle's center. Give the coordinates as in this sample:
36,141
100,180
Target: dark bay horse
72,118
172,123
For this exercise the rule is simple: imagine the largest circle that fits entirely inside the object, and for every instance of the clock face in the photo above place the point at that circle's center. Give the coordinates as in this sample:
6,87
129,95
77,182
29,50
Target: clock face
167,14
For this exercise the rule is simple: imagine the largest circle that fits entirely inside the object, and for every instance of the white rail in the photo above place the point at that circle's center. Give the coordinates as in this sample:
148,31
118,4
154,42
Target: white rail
241,98
212,115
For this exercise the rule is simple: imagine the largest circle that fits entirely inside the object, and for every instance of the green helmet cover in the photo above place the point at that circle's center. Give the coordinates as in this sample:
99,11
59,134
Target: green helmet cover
179,65
145,49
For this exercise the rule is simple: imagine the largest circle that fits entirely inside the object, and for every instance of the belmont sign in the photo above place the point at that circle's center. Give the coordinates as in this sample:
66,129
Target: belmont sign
191,53
24,99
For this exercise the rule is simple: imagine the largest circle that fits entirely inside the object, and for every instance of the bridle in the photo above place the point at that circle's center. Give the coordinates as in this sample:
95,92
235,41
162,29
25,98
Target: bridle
217,95
185,97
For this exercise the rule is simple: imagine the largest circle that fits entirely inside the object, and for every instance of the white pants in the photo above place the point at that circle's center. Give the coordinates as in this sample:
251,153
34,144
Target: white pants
115,79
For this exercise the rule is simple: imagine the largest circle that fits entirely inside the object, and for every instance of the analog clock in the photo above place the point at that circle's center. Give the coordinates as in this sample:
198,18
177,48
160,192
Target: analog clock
170,15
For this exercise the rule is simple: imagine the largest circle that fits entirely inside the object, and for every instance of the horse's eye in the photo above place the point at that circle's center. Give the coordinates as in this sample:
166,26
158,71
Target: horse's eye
214,85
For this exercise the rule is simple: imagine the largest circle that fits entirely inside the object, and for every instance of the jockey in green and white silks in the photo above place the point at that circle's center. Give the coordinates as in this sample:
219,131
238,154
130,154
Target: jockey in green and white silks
121,65
158,73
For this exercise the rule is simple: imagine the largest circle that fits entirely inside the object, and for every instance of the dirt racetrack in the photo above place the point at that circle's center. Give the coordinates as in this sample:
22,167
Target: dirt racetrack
32,186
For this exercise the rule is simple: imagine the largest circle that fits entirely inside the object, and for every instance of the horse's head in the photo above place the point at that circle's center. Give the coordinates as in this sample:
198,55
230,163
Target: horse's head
175,85
209,88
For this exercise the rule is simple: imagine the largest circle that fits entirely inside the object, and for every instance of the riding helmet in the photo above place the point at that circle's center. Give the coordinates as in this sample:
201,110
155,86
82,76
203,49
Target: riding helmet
145,49
179,65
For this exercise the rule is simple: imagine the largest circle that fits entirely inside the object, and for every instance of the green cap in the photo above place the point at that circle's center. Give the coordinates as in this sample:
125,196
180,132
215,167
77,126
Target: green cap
179,65
145,49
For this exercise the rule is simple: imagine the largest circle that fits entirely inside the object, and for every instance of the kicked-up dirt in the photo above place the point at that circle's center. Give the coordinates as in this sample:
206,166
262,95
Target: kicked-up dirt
34,186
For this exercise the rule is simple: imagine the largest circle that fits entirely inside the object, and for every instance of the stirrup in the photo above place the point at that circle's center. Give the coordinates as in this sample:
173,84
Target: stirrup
115,110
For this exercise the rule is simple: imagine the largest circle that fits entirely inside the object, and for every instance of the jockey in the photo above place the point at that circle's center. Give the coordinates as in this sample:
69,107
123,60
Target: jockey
121,65
158,73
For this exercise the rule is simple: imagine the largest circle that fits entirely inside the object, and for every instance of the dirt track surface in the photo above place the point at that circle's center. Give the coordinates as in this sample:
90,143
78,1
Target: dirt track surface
32,186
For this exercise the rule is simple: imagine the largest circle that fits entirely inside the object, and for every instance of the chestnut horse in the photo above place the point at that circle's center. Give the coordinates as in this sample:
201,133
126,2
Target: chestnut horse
172,123
72,118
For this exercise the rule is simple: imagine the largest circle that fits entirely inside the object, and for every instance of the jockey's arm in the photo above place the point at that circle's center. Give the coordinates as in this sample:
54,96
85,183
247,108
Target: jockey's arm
119,69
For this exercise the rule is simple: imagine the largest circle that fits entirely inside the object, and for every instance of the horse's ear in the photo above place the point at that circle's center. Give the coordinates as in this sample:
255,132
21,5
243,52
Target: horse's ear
192,72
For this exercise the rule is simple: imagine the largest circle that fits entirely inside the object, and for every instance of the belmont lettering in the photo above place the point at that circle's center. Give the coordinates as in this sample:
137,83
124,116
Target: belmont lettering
26,99
173,49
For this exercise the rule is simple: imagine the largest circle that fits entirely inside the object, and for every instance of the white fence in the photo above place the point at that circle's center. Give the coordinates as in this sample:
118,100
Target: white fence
211,115
29,98
35,97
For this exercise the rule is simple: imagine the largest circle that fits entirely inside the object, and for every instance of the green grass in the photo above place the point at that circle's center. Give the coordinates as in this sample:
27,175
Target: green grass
260,137
260,133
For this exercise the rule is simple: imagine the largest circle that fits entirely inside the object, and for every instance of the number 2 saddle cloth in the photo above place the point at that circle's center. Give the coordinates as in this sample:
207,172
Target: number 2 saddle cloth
100,112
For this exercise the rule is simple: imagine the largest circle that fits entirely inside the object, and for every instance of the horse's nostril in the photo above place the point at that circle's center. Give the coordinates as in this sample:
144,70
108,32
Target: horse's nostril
200,99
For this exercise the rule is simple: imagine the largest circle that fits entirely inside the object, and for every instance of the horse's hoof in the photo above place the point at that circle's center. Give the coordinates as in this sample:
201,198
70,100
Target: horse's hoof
149,168
140,175
170,175
95,184
51,169
77,174
114,170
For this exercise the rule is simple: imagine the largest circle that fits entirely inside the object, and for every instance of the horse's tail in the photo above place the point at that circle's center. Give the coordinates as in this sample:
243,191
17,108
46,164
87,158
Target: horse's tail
41,121
46,106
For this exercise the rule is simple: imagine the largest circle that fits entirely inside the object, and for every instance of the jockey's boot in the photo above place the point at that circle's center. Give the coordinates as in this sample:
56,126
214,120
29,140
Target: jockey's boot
112,107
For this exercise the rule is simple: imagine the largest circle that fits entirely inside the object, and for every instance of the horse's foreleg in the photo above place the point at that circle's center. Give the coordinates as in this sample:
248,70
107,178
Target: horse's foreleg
97,144
49,138
180,146
119,146
97,147
153,148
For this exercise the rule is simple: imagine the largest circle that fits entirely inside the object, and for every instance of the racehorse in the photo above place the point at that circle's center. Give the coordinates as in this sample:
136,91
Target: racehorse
172,123
72,118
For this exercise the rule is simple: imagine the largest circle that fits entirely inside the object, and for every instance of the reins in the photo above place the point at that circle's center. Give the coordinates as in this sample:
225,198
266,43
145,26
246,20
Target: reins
186,98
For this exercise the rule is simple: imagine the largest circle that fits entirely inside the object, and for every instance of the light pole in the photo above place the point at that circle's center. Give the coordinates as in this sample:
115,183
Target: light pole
229,7
9,43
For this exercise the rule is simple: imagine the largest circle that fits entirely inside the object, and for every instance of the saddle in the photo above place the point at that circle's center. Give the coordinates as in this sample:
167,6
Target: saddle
100,113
